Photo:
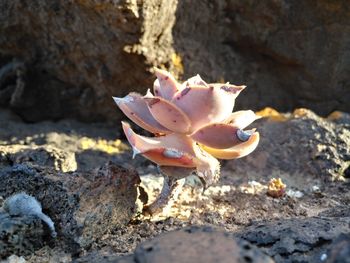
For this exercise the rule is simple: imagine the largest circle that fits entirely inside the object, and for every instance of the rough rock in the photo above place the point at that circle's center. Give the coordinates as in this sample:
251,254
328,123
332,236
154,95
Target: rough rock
339,252
19,235
43,156
198,244
289,54
297,240
104,258
14,259
65,146
238,203
82,206
66,59
302,148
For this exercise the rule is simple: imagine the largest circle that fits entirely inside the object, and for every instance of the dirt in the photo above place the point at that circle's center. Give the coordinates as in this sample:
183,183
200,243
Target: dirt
306,224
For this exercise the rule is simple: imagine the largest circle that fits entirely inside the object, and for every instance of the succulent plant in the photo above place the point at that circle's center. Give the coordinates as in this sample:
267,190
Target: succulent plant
193,125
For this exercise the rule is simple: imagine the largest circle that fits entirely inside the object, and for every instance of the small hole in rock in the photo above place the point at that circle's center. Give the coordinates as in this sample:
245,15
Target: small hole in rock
247,247
247,259
346,173
149,249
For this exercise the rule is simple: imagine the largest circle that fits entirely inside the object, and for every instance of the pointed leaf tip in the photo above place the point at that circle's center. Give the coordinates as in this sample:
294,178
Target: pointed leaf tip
135,152
125,99
232,88
244,136
241,119
135,108
149,94
195,80
221,135
172,150
165,86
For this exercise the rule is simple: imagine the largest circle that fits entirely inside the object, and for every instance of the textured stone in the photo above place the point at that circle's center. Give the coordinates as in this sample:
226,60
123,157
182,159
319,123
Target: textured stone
19,235
104,258
43,156
301,148
296,239
198,244
82,206
72,56
339,251
14,259
289,54
66,145
67,58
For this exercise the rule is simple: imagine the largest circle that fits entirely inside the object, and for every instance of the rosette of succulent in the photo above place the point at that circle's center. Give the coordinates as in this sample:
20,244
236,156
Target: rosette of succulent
193,126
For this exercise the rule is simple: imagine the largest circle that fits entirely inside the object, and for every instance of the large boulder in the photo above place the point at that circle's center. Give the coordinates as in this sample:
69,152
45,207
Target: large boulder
288,53
72,56
67,58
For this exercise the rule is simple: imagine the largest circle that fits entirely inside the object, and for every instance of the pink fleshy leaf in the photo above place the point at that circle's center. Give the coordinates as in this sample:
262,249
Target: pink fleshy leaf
237,151
220,135
205,105
242,119
166,85
169,150
156,88
168,115
194,81
136,109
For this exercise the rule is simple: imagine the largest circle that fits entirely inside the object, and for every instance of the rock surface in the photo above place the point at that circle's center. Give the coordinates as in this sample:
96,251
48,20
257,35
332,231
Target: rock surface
71,57
289,54
309,153
66,59
65,146
297,240
340,250
191,244
20,235
198,244
302,148
83,206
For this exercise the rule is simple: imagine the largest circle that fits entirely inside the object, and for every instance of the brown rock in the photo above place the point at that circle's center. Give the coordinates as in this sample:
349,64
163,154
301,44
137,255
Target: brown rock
82,206
19,235
304,150
289,54
339,251
73,56
198,244
298,239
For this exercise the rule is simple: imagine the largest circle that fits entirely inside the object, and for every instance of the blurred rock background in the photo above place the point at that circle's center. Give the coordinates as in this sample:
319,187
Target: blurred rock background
63,59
